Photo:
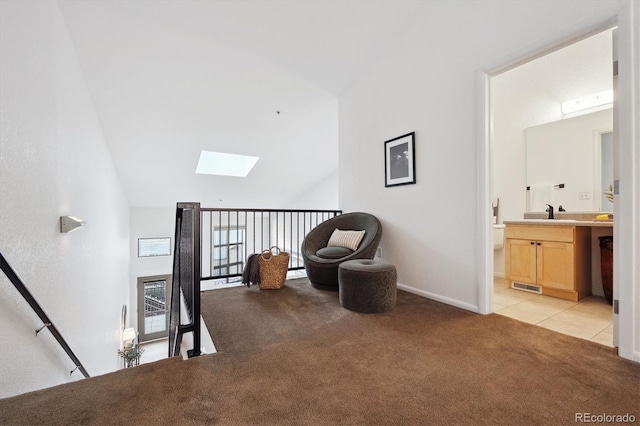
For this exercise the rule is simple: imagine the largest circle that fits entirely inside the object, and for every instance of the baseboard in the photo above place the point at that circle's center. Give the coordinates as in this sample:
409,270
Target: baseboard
635,355
438,298
630,355
498,274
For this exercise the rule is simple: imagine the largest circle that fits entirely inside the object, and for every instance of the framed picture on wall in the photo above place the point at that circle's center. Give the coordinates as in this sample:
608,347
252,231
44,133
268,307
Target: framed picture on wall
400,160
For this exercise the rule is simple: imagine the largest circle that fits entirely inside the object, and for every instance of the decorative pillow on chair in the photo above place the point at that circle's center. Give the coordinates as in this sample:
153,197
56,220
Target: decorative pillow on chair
333,252
348,239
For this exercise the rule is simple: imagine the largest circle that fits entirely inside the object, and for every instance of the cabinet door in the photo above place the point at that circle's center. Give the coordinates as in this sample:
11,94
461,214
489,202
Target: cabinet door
520,260
555,265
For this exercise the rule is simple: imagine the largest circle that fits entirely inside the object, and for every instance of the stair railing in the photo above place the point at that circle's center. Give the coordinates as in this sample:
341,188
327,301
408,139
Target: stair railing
186,279
28,297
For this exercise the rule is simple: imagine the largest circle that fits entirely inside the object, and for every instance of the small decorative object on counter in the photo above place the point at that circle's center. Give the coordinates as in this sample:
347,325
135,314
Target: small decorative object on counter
274,264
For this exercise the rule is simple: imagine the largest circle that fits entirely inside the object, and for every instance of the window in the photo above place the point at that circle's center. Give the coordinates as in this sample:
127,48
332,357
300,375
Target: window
228,253
153,307
149,247
223,164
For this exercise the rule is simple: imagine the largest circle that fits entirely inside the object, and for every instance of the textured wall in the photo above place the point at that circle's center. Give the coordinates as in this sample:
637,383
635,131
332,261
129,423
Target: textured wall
54,162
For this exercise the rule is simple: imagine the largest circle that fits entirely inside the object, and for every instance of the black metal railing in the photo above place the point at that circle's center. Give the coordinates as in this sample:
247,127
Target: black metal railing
28,297
186,279
229,236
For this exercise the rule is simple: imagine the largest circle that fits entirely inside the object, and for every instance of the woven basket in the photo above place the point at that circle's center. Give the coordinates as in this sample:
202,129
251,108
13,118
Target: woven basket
273,268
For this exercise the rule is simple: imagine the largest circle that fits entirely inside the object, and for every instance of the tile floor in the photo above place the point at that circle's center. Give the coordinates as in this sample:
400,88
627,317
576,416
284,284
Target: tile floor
590,319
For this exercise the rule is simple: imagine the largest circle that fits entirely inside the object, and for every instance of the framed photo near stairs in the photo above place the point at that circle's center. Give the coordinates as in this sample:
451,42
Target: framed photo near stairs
400,160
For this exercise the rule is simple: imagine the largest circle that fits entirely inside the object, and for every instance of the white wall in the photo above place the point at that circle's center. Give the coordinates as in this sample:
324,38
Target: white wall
321,195
426,82
54,162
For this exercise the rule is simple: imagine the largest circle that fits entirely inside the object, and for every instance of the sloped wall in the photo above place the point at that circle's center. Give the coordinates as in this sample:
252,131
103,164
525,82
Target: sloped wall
54,162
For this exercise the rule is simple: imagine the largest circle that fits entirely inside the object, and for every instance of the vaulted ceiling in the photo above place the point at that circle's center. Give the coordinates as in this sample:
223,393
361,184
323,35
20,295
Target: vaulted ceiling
171,78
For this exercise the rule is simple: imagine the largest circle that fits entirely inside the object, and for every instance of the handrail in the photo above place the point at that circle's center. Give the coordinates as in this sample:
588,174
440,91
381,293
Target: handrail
19,285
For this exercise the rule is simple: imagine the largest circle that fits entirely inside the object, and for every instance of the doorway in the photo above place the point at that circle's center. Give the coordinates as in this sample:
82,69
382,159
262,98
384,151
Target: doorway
153,303
528,97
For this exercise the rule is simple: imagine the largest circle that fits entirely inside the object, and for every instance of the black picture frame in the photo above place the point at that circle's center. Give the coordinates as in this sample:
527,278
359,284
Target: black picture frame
400,160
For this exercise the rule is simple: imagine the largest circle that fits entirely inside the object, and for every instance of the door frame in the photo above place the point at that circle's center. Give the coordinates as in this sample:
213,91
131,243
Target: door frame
627,206
142,336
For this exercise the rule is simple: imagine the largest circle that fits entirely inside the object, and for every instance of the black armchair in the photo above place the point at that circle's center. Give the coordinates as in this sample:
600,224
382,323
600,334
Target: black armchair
322,268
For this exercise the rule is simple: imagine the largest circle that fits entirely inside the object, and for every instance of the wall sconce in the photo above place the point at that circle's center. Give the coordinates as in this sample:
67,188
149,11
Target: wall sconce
127,337
591,101
70,223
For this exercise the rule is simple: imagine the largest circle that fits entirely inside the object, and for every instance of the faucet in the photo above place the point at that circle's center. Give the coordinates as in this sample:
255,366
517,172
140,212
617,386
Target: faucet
550,210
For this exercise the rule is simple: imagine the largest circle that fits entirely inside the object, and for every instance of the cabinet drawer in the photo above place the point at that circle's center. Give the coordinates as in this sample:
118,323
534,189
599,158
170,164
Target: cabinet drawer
537,233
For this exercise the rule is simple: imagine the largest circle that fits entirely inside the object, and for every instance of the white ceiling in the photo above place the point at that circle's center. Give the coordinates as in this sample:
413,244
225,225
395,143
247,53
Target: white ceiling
172,78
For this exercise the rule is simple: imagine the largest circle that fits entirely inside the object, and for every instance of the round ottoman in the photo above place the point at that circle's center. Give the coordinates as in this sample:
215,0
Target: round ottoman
367,285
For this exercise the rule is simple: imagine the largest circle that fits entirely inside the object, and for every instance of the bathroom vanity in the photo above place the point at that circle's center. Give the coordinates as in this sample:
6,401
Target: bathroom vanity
550,257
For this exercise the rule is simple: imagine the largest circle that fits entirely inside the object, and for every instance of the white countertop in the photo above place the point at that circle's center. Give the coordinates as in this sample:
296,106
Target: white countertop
561,222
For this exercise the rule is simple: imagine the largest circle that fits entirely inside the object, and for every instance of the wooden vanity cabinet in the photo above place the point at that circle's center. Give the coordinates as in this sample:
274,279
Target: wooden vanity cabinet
557,259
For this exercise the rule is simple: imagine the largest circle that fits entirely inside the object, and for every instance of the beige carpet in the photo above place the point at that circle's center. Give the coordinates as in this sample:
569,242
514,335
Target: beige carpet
295,356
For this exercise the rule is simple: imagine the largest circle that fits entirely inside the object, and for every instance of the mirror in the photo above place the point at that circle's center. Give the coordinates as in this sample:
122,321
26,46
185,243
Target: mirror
564,163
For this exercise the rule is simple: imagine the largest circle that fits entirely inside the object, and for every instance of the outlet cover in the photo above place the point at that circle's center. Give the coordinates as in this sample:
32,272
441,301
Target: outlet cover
583,196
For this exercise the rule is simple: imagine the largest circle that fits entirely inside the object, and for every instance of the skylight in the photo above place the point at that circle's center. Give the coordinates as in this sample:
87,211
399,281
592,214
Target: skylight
219,163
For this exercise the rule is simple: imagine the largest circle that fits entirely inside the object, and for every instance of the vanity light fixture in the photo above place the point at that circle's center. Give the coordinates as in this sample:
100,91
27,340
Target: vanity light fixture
70,223
591,101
